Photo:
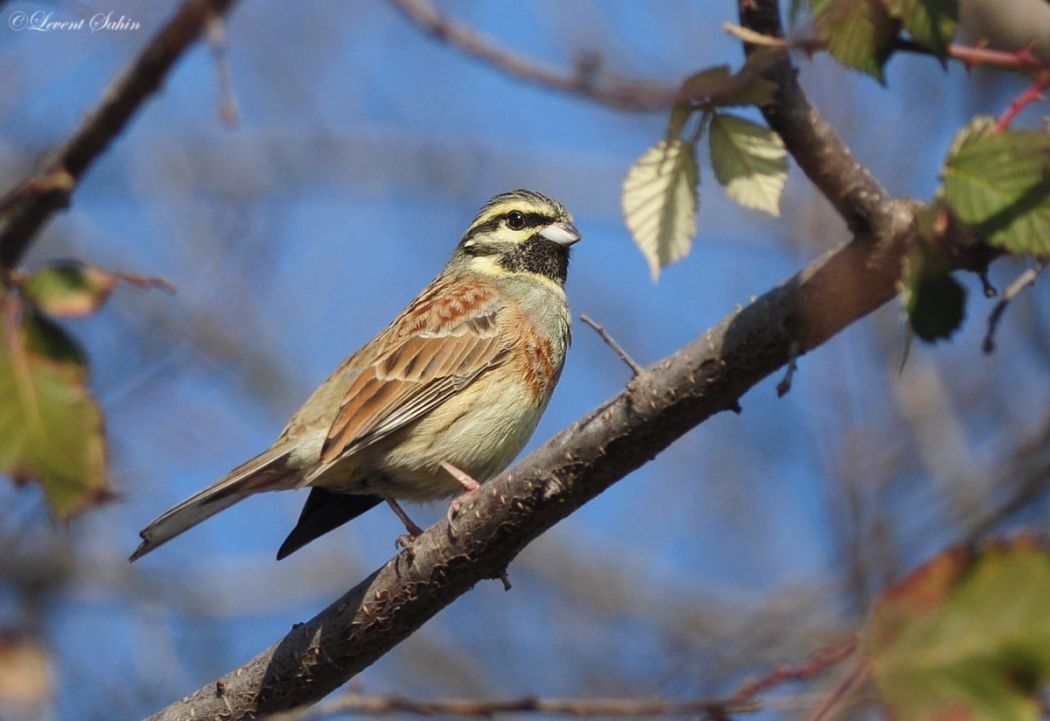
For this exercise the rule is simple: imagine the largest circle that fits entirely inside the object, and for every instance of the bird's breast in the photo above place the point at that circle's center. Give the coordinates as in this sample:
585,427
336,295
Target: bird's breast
480,430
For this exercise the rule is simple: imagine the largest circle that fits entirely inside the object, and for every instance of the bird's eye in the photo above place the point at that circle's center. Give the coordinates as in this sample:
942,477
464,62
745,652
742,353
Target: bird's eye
515,220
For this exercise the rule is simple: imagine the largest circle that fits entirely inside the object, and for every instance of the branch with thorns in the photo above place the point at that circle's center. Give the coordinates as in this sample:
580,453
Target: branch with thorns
969,55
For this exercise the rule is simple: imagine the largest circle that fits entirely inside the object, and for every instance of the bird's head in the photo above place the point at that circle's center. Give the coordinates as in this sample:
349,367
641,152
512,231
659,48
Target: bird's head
520,233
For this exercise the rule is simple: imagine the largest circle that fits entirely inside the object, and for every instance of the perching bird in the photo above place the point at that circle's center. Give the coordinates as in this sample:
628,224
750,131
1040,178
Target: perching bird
450,392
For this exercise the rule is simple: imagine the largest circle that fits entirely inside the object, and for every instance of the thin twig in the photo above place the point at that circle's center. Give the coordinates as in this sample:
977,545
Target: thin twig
743,701
354,704
229,113
1033,93
1020,284
623,93
843,694
818,662
969,55
635,367
785,383
28,206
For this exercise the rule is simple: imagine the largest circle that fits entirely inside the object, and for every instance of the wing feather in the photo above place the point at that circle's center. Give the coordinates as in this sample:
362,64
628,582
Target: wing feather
434,351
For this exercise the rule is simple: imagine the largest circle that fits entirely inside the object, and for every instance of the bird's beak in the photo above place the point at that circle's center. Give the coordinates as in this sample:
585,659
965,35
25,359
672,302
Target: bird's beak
562,232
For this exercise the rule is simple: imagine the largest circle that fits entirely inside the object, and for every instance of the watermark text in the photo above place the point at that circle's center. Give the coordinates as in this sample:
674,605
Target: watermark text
44,21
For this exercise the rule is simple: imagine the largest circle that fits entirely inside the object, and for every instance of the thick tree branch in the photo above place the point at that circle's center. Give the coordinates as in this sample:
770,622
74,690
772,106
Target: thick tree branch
622,93
26,208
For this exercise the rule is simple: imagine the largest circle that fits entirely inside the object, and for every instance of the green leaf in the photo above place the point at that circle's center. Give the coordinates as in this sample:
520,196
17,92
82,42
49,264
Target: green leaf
934,302
660,202
716,85
679,117
700,85
858,33
50,426
931,220
750,161
1000,184
978,127
69,288
931,23
966,636
747,89
42,337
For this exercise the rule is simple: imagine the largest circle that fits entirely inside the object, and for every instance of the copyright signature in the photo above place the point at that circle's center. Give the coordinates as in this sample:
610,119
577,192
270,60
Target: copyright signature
42,21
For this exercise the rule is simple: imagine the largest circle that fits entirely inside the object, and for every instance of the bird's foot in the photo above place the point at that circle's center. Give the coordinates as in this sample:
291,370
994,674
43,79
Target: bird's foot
469,486
410,525
405,541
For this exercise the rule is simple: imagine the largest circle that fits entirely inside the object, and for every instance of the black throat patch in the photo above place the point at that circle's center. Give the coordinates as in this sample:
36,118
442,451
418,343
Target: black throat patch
538,255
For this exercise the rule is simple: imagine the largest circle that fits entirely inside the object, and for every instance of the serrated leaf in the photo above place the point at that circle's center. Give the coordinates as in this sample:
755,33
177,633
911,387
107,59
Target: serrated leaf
660,202
1000,184
858,33
50,425
967,636
69,288
934,302
749,160
931,23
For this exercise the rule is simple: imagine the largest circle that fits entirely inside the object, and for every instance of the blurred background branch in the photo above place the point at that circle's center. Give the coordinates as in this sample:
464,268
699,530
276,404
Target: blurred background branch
28,206
588,80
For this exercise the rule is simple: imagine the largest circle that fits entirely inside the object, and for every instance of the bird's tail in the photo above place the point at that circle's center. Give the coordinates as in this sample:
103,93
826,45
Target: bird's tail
268,471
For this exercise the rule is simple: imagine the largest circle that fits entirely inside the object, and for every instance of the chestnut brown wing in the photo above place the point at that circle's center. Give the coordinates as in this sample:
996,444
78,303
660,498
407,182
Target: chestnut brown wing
448,344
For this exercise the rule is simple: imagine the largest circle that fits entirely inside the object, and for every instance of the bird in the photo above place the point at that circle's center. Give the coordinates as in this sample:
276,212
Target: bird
441,400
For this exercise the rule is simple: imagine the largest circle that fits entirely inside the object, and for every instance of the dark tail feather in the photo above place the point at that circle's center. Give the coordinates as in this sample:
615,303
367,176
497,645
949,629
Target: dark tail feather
324,511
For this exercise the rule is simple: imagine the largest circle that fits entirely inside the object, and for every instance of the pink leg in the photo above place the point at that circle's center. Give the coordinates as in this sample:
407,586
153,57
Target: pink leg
410,525
464,478
469,486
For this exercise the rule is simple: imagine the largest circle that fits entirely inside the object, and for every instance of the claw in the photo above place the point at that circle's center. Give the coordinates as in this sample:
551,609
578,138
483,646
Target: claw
405,540
454,506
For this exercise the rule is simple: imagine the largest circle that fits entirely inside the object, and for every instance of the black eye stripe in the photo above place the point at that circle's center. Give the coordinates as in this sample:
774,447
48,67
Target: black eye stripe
535,220
532,220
